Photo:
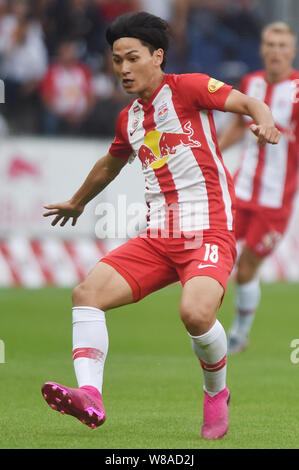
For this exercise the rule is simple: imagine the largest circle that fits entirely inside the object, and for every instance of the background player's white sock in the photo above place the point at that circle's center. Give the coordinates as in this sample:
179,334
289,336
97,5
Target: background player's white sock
247,300
90,345
211,350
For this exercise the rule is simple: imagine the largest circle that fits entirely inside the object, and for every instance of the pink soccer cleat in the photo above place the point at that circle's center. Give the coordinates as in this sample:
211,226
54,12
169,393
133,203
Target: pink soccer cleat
215,415
84,403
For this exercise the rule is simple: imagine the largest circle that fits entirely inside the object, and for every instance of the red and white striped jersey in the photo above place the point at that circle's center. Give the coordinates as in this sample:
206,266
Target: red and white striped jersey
268,175
174,136
68,89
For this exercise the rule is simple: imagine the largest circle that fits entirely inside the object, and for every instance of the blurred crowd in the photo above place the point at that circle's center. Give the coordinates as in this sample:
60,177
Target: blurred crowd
57,68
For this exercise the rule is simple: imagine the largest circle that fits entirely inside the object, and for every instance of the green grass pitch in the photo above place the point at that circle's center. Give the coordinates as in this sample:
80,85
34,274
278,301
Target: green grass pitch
153,383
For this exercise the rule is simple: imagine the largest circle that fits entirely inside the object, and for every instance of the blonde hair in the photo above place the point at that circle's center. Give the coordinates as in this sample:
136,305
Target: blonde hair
278,27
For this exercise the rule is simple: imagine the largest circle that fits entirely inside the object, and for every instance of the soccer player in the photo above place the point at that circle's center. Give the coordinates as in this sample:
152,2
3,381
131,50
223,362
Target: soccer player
266,181
189,236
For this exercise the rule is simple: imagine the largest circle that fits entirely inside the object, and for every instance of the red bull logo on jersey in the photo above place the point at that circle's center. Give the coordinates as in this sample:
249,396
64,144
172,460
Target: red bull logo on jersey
159,146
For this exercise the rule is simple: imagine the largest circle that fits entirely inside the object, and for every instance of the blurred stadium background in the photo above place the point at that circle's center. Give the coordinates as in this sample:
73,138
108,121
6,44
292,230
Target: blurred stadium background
57,121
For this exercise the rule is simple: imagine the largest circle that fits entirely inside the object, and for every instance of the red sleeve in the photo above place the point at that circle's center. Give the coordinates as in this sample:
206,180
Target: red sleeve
121,146
203,92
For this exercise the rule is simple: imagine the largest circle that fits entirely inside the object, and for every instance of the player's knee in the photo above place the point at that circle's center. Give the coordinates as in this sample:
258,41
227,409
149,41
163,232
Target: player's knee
84,294
197,318
246,270
80,295
243,274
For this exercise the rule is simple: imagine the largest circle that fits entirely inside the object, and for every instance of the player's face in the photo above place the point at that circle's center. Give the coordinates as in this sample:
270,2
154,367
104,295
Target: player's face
278,52
135,65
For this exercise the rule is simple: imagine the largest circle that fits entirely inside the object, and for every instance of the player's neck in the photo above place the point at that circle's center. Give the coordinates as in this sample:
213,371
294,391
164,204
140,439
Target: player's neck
153,85
278,77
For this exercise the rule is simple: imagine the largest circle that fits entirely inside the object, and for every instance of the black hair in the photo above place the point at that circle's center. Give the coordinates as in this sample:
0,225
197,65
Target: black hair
151,30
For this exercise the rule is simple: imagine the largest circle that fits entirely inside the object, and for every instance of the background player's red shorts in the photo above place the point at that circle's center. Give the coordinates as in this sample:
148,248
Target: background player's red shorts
148,263
261,229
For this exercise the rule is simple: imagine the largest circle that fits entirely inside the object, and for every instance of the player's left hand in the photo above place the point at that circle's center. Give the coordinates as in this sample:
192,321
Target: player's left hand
265,134
65,211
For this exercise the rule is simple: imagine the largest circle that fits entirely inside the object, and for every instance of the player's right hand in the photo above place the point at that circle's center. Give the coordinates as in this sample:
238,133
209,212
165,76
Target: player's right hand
265,134
65,211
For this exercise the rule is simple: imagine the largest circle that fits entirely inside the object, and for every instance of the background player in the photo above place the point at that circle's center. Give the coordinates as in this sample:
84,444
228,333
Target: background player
189,193
266,181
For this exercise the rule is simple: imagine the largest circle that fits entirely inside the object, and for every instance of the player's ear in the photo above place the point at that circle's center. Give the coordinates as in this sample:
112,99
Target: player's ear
158,56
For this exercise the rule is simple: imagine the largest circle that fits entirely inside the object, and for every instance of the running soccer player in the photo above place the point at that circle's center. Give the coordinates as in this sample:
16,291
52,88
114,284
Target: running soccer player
266,181
189,236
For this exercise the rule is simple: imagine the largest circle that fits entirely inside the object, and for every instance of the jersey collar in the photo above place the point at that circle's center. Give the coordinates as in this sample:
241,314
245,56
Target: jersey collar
147,104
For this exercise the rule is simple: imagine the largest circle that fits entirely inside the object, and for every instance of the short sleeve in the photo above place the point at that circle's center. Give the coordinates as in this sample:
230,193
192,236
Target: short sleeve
121,147
203,92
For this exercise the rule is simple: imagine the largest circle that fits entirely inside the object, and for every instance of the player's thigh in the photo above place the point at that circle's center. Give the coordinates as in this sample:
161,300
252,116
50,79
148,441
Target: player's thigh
248,265
103,288
144,263
201,298
127,274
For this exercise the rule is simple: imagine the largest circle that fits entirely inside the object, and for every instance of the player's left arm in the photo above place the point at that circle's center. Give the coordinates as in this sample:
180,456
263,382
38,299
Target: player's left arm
264,127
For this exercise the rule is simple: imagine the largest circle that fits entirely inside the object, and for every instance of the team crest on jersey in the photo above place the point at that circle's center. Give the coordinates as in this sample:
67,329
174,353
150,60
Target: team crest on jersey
214,85
163,112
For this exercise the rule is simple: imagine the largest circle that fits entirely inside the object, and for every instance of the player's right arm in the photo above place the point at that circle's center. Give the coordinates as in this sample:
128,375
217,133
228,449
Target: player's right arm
103,172
233,133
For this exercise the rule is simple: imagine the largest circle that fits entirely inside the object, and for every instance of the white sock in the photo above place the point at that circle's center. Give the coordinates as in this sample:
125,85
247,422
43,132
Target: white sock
211,350
247,301
90,345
